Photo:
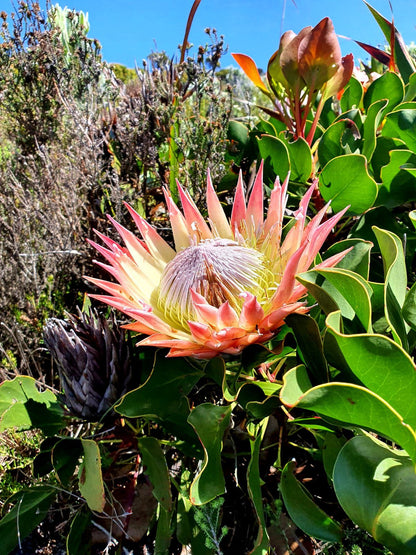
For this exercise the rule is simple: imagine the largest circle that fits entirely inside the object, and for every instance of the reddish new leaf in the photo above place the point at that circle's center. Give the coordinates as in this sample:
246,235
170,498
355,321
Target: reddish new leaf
249,67
376,53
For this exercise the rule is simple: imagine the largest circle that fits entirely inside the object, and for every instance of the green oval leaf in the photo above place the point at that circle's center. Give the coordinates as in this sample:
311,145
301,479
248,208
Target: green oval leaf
348,291
266,127
309,280
357,259
300,158
23,406
308,338
409,306
395,282
238,133
65,458
401,124
209,422
371,123
90,478
162,397
376,487
276,157
381,154
31,507
381,365
262,409
157,470
398,184
348,404
330,451
77,541
410,88
345,181
341,137
355,293
352,95
303,510
387,87
256,434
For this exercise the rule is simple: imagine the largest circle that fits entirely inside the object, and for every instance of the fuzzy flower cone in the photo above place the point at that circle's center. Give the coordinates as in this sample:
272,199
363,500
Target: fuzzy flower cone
226,284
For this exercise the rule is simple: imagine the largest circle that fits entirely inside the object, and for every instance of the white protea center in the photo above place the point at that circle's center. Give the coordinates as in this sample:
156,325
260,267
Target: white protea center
218,269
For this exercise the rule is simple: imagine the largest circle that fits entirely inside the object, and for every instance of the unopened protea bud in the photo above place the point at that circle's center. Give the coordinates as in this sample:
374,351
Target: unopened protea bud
93,360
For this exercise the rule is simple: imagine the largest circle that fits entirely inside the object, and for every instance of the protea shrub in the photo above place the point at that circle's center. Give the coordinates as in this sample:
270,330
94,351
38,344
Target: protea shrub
93,361
226,284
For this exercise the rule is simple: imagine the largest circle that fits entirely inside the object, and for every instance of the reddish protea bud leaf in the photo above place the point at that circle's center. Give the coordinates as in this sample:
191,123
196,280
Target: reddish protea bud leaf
275,76
376,53
249,67
341,77
319,55
289,59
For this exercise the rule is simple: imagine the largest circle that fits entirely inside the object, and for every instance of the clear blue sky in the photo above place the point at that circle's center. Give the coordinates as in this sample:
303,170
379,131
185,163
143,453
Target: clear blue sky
129,29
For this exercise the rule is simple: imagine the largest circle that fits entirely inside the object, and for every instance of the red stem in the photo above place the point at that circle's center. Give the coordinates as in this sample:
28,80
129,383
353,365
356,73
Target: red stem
188,28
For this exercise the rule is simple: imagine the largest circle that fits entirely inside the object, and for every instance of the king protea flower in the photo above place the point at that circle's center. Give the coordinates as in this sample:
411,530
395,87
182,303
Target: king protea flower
226,284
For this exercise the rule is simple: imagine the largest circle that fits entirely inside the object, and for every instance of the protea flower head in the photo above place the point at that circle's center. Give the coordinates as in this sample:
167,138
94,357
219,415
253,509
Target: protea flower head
93,360
226,284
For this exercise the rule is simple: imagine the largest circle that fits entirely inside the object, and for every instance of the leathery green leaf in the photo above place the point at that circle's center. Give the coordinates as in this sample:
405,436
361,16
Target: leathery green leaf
357,260
330,450
381,154
394,264
371,123
395,282
349,292
409,307
354,290
209,422
163,396
256,432
276,157
31,507
345,181
77,541
300,158
410,89
401,124
303,510
398,182
381,365
309,280
352,95
339,138
309,341
350,405
90,478
23,406
376,487
389,86
65,456
157,470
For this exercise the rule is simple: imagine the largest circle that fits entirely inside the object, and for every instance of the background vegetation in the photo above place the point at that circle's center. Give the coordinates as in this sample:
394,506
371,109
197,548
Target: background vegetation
279,450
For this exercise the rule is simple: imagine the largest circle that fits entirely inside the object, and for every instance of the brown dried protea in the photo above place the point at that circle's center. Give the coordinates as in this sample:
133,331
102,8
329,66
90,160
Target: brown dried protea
93,359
